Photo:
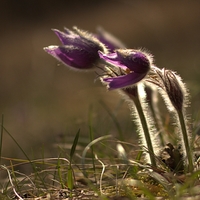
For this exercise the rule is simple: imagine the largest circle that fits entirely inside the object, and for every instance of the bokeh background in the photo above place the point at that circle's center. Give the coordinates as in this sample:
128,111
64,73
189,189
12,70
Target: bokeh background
43,101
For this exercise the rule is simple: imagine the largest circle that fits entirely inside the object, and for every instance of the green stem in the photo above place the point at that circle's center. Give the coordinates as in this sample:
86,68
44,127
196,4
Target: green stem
157,122
186,141
143,121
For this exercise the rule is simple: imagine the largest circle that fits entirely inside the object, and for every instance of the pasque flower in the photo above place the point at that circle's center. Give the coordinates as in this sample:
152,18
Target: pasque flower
79,49
173,88
127,67
121,68
172,84
134,66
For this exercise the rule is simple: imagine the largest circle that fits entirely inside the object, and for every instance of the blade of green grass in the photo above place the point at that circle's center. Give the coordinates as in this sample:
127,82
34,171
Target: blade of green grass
31,162
70,173
135,168
70,179
75,142
88,147
114,119
91,133
14,176
60,173
15,141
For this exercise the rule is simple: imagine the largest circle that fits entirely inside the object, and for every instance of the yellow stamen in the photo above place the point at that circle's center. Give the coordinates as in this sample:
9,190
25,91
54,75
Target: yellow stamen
128,71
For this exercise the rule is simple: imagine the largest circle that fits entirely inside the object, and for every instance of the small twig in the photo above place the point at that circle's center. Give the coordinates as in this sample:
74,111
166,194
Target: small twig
10,179
102,172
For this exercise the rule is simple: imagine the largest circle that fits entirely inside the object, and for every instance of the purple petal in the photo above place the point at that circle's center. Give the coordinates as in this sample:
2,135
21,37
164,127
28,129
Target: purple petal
136,61
65,38
71,56
79,41
124,81
112,59
56,53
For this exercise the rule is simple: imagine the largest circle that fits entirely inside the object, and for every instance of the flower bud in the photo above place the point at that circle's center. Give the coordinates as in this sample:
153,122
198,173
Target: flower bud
173,86
79,49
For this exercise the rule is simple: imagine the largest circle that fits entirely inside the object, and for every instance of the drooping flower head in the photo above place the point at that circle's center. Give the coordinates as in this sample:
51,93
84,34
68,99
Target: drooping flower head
134,65
79,49
172,85
175,95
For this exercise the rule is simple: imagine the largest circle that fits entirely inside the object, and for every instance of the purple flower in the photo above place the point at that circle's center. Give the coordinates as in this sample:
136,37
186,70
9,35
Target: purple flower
133,66
79,49
109,40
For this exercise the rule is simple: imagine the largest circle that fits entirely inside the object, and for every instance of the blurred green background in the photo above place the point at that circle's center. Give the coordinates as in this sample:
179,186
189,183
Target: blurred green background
42,100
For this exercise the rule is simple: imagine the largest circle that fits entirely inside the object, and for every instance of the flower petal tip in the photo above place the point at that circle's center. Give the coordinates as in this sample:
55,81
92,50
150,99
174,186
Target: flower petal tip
51,48
101,54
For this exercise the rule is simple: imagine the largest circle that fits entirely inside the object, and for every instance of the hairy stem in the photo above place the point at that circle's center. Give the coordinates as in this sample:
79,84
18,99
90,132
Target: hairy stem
144,124
186,141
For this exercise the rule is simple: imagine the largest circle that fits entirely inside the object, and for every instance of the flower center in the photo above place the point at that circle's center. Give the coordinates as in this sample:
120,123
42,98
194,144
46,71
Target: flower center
128,71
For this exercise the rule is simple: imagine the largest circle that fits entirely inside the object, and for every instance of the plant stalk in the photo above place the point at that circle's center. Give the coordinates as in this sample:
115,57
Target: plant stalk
186,141
143,121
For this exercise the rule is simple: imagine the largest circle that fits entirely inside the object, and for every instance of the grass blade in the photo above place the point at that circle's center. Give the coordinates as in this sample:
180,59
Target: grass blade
115,121
91,132
75,142
88,147
70,178
70,174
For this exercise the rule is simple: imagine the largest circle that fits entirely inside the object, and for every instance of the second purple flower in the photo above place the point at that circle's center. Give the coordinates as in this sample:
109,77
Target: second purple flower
133,65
